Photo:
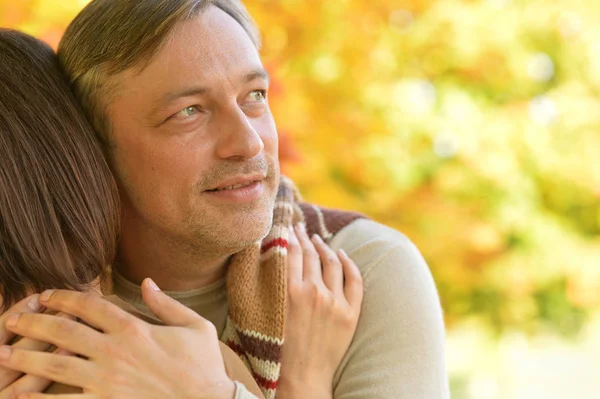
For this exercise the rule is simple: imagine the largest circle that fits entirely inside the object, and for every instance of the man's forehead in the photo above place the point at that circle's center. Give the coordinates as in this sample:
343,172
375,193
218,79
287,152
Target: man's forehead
204,42
192,57
206,51
214,33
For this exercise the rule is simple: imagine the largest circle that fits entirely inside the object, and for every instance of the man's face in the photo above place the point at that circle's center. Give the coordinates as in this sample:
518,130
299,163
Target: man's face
191,125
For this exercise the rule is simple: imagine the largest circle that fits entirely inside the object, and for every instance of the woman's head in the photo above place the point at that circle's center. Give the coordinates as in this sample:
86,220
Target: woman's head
59,210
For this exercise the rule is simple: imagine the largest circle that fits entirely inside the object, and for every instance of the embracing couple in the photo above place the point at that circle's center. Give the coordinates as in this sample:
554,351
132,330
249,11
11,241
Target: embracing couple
144,156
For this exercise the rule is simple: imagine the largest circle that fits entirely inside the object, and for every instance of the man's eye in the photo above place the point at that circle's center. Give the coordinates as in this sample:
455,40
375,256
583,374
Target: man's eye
258,95
187,112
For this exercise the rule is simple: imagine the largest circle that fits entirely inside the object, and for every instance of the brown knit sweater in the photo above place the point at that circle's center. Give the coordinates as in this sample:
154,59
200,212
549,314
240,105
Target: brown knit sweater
257,285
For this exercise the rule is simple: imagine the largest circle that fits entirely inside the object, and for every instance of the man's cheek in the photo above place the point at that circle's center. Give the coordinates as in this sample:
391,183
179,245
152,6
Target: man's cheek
270,141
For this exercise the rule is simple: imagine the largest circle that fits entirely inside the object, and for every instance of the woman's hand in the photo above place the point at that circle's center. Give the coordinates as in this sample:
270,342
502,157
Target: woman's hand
325,292
14,382
123,357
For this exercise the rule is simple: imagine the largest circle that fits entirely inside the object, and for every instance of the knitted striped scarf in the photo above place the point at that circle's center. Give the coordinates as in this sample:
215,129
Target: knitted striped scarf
256,286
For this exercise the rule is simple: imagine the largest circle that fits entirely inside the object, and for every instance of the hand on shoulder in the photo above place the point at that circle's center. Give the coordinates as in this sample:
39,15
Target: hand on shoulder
123,356
325,293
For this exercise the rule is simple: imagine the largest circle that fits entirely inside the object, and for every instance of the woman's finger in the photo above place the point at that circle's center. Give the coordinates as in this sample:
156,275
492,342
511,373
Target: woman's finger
353,282
36,395
60,331
333,276
167,309
8,376
60,366
91,308
294,258
30,304
311,262
31,344
27,383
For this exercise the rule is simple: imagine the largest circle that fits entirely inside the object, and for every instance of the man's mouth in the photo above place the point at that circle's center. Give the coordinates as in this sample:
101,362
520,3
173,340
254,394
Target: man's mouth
238,189
233,187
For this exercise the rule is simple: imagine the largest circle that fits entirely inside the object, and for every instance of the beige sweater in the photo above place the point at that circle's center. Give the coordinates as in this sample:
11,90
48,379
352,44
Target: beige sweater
398,351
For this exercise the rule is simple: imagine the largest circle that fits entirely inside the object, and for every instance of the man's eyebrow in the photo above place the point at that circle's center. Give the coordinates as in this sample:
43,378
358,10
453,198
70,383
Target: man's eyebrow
256,74
187,92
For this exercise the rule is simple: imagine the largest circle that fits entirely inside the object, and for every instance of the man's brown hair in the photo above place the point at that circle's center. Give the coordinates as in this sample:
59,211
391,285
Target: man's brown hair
111,36
59,207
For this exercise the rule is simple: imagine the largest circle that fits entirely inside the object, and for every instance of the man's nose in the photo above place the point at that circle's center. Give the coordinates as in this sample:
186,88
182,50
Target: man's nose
238,138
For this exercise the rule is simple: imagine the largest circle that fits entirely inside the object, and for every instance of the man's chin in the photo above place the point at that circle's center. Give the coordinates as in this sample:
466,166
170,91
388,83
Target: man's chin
240,240
247,227
238,226
256,226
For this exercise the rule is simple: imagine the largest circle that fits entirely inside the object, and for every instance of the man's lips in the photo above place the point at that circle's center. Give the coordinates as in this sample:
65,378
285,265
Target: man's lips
238,182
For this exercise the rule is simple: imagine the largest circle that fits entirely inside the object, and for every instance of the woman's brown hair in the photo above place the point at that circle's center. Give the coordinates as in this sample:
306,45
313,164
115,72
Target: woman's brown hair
59,207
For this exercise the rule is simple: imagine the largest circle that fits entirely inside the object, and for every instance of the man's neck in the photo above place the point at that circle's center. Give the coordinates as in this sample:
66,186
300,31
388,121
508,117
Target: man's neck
170,266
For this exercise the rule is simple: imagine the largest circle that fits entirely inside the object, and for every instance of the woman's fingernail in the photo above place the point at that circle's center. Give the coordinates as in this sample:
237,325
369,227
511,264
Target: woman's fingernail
343,253
34,303
153,285
317,239
4,352
13,320
45,296
300,228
